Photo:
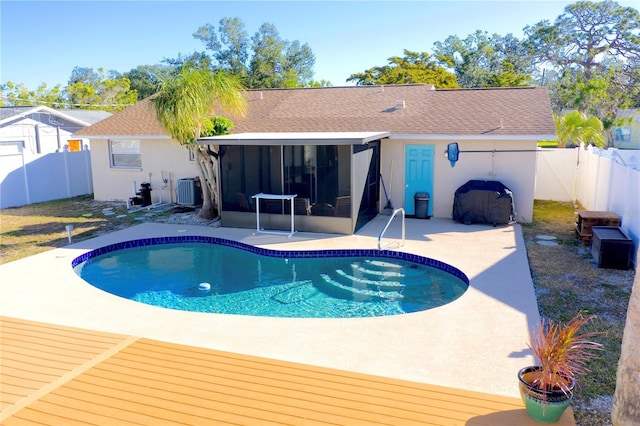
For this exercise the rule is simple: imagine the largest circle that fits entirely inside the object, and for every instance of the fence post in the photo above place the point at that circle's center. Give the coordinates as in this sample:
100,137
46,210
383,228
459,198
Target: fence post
27,190
65,152
87,168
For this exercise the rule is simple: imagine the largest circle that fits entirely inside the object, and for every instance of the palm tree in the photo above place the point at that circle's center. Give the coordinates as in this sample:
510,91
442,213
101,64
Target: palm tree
185,107
576,128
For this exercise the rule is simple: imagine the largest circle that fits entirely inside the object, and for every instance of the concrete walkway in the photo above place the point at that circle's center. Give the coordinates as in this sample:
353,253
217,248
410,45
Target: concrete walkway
476,343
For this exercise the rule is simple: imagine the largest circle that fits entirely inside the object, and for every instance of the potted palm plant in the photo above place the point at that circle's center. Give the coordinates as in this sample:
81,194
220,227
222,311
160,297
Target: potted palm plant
562,351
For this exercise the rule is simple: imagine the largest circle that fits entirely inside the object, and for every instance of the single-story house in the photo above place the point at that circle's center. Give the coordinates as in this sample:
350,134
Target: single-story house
42,130
341,150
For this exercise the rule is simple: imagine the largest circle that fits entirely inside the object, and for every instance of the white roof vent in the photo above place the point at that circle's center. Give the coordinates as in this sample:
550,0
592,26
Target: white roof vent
400,104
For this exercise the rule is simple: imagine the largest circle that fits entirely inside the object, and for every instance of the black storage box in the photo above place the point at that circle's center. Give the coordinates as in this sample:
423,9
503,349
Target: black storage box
611,247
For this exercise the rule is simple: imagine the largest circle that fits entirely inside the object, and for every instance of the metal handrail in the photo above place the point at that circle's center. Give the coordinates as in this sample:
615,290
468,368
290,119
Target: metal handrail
400,244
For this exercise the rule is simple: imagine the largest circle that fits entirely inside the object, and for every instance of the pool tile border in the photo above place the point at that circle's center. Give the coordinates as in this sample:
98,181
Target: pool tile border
389,254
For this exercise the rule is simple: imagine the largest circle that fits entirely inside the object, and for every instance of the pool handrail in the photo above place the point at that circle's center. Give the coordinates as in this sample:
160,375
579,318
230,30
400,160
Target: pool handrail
401,243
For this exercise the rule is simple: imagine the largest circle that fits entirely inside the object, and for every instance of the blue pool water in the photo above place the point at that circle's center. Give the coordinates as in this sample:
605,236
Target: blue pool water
205,274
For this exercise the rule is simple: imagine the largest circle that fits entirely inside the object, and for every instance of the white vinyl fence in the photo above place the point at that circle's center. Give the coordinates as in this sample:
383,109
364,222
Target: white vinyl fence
601,180
27,179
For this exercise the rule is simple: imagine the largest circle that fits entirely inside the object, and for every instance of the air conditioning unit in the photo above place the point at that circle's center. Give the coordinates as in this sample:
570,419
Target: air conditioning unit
189,192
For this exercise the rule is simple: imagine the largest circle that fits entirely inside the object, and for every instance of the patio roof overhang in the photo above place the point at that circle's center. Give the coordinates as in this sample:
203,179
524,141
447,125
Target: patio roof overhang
295,138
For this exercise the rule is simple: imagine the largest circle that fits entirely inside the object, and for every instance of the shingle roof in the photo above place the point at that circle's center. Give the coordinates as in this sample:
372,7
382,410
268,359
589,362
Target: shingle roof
491,111
6,112
83,117
136,120
86,115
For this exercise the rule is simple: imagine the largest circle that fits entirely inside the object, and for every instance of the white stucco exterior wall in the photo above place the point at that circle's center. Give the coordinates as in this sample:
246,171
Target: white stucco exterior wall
158,155
515,170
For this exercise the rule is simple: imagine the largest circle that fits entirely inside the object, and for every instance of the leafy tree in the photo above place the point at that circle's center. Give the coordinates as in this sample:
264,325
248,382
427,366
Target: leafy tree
298,64
321,83
481,60
19,95
185,105
231,50
196,59
575,128
99,90
265,60
508,77
146,79
593,51
218,125
267,63
87,75
586,37
412,68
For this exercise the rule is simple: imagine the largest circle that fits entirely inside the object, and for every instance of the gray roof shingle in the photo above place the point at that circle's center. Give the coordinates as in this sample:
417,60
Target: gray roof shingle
490,111
85,116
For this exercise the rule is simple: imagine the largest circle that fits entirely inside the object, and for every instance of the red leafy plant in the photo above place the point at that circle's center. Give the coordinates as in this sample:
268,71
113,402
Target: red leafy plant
563,352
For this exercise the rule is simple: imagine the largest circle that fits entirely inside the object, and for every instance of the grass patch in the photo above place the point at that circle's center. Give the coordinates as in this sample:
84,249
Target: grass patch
33,229
567,280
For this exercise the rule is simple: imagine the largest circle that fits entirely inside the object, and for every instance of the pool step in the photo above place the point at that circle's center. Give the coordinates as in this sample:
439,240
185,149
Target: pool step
349,292
383,264
377,285
376,272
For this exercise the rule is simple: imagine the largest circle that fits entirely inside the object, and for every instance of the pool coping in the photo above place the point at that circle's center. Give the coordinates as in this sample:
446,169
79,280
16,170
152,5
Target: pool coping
451,345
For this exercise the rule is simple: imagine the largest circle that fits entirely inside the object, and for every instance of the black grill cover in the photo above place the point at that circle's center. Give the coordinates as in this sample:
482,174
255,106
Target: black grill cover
483,201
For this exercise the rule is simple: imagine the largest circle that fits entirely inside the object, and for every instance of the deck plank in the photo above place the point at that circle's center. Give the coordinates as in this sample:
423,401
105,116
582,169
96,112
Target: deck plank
36,358
121,380
300,390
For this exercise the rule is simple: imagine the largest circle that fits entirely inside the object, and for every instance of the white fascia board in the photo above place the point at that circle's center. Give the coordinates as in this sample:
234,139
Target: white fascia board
295,138
539,137
46,109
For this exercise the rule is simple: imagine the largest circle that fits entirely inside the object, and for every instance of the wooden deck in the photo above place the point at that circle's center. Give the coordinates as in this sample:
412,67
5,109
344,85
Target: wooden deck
55,375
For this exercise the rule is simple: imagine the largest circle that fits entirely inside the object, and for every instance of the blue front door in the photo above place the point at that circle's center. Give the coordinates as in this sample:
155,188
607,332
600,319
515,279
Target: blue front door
418,175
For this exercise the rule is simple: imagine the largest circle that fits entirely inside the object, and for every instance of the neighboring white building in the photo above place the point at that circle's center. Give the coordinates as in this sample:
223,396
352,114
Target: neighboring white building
628,136
33,144
332,145
41,130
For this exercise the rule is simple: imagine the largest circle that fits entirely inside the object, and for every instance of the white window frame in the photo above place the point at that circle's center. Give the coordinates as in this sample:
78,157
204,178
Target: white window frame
8,148
125,147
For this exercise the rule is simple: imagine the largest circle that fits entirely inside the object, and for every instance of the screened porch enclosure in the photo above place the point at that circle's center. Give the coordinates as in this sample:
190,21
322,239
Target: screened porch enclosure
337,186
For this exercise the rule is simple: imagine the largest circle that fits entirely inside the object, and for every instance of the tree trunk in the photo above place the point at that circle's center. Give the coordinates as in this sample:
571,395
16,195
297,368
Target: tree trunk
626,400
208,183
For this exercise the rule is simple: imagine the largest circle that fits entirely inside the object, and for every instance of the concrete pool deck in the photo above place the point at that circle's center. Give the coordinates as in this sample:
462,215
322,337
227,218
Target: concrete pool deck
476,343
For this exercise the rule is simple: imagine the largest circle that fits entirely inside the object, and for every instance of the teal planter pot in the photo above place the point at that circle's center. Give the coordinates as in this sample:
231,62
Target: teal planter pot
548,411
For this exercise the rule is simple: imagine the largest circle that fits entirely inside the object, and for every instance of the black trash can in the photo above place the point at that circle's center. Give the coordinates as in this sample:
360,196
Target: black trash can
421,200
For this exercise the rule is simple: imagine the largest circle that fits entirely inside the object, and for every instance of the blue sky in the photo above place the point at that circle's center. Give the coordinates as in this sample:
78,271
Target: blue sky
43,41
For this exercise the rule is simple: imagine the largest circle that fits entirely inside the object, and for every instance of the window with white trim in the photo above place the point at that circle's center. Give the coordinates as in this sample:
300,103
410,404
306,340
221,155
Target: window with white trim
125,154
11,147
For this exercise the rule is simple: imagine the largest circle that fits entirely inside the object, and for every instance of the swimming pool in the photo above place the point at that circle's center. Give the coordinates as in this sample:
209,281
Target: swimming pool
215,275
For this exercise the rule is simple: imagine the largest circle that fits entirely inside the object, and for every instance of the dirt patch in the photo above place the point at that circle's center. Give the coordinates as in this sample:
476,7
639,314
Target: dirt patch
32,229
567,280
